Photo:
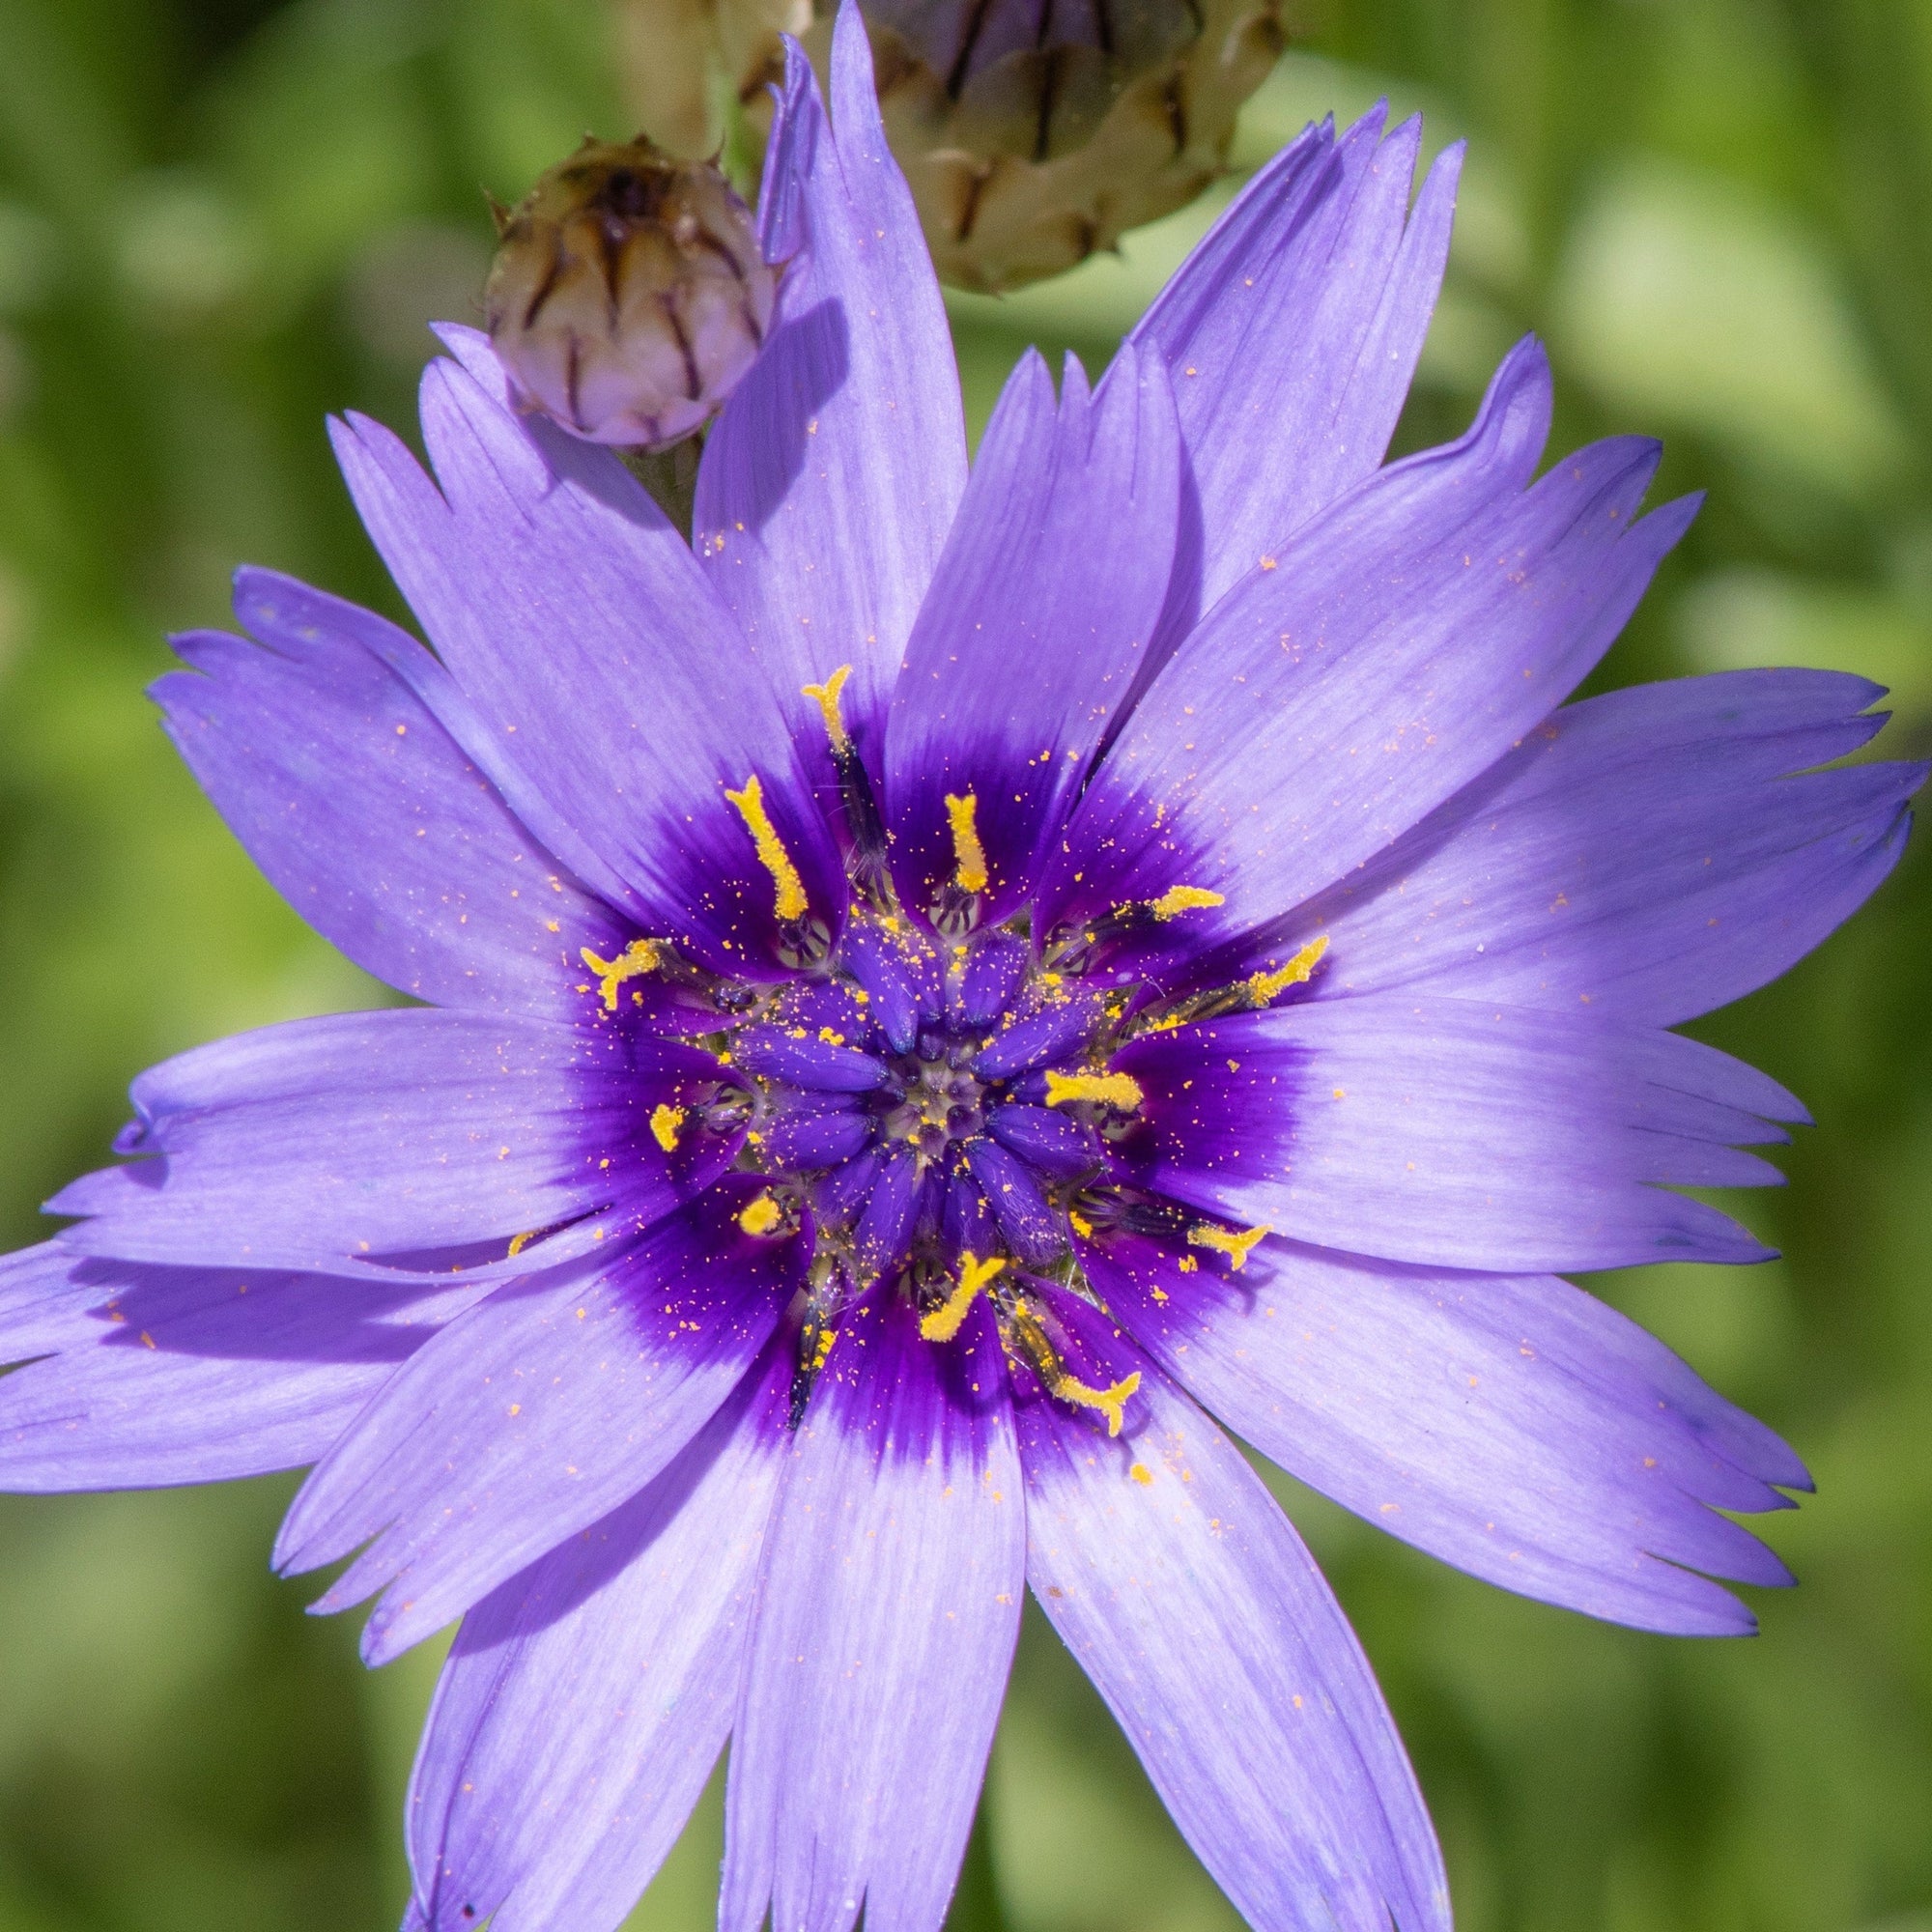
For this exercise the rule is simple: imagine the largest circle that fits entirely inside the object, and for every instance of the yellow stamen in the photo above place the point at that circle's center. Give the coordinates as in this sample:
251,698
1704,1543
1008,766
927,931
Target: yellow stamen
772,854
1266,987
641,956
665,1120
760,1216
826,696
969,856
1113,1090
519,1242
949,1317
822,1347
1112,1402
1178,899
1081,1226
1235,1244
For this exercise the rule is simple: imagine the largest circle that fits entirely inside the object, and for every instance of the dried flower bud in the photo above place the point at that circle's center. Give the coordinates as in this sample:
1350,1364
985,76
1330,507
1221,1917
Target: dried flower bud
628,295
1036,131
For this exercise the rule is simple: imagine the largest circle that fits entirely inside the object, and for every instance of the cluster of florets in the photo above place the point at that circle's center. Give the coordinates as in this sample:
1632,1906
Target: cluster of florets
931,1098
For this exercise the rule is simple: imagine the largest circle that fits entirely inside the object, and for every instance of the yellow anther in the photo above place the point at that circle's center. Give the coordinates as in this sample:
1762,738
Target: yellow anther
519,1242
1266,987
969,856
641,956
949,1317
1081,1226
1112,1089
826,696
772,854
1112,1402
1178,899
760,1216
1235,1244
666,1121
822,1348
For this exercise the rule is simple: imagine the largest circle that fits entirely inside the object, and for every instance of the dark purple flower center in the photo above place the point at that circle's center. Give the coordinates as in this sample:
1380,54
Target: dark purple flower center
932,1098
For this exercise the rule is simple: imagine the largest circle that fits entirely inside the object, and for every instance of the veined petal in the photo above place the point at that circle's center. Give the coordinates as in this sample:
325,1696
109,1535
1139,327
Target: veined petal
1040,609
887,1608
374,825
1456,1134
198,1375
362,1135
591,644
537,1415
585,1701
1293,332
1512,1425
288,614
1408,637
829,483
1190,1602
1649,854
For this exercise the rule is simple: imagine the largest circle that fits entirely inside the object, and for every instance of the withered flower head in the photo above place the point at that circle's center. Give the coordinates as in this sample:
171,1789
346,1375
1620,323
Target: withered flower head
1035,131
629,295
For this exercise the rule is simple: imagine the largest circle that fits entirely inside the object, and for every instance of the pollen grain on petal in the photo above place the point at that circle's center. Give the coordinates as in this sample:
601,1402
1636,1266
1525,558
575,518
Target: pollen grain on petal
946,1320
826,696
760,1216
1237,1243
791,901
641,956
1178,899
1265,987
1110,1402
969,856
666,1121
1111,1090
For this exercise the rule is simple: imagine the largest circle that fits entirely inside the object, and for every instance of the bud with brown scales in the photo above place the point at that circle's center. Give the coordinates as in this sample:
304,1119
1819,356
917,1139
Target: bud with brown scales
629,295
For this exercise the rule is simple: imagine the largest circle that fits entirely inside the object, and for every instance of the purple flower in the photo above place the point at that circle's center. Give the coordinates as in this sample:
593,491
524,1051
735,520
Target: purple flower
930,990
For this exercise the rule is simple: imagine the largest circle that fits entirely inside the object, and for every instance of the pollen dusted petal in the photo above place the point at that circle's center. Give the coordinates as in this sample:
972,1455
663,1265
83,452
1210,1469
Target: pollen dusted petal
549,1787
321,1143
1293,332
530,562
888,1607
1649,854
1414,632
1190,1600
1512,1425
534,1415
366,814
1456,1134
157,1375
1036,618
828,485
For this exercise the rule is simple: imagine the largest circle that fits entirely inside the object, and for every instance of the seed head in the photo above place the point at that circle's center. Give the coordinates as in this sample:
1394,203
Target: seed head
628,295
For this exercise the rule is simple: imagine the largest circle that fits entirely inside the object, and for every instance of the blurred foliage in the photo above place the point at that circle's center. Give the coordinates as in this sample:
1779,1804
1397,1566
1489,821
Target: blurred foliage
219,221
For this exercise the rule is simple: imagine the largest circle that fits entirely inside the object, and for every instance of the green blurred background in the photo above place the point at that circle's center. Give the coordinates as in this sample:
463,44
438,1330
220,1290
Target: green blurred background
219,221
